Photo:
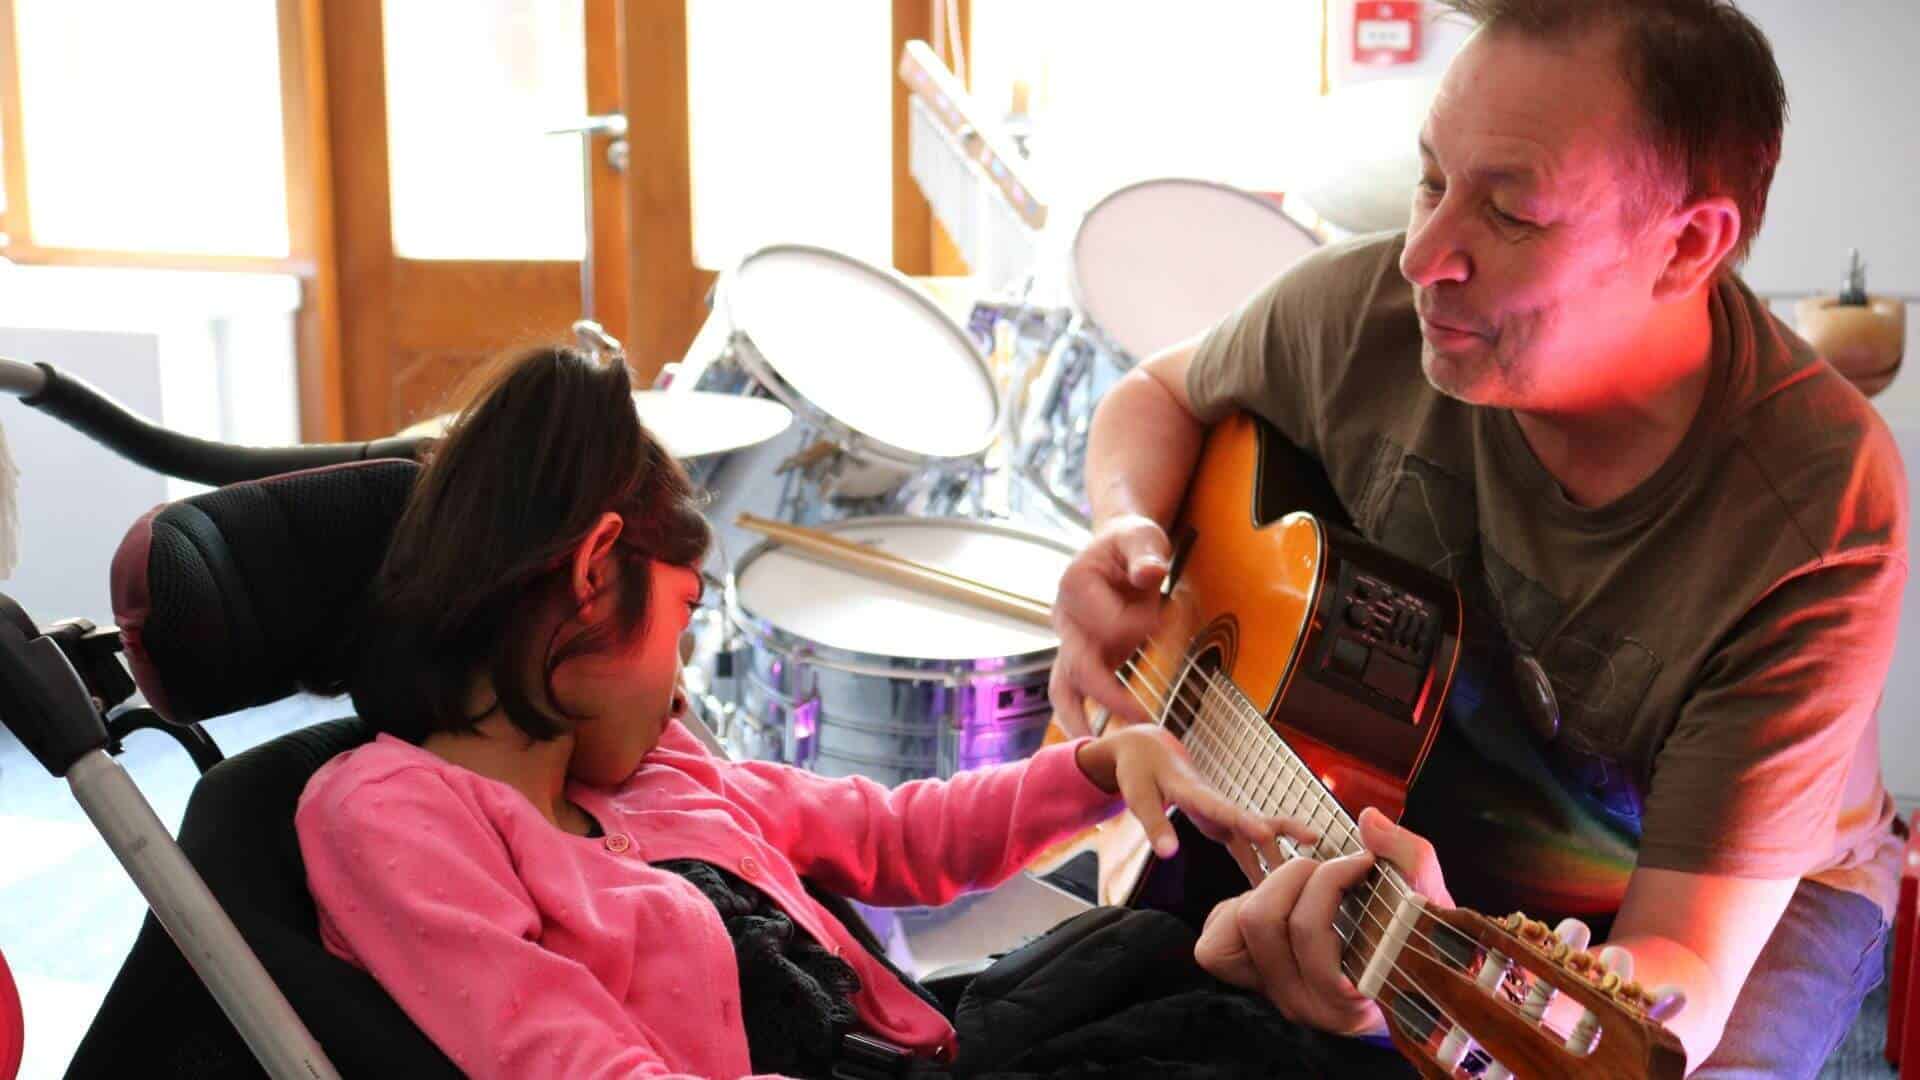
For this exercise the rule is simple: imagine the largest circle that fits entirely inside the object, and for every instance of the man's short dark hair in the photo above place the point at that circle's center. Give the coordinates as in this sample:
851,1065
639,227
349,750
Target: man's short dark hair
1712,103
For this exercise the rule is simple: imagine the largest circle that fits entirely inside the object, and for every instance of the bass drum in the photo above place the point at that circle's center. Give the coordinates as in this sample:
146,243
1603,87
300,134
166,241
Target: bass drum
1151,264
844,674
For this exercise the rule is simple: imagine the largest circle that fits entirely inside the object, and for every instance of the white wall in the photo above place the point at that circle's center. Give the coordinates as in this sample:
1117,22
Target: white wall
208,354
1849,175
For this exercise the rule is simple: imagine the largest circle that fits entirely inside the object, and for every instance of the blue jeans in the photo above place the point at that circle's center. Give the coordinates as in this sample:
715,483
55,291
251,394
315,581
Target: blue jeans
1805,991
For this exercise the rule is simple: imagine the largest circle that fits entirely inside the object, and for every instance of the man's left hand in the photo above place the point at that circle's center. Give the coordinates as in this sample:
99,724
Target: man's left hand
1280,938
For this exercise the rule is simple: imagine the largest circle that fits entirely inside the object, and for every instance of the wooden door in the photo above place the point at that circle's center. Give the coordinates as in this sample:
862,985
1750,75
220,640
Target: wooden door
411,328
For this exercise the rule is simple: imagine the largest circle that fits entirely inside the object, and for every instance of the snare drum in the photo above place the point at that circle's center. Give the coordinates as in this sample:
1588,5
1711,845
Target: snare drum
886,384
845,674
1152,264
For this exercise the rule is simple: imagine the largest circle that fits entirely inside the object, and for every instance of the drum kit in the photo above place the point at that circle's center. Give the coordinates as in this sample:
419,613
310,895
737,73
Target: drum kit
832,394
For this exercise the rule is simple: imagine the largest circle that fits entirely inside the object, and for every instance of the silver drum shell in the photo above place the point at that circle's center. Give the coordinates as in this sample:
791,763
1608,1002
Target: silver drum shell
843,712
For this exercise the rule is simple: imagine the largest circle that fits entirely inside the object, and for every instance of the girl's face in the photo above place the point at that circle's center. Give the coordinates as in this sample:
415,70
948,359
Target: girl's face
628,692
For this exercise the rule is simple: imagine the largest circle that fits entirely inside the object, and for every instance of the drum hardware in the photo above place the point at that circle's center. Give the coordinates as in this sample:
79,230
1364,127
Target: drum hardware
592,337
1151,264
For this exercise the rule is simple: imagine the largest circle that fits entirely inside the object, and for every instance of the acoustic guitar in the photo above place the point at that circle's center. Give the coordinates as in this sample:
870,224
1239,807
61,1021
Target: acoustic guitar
1305,671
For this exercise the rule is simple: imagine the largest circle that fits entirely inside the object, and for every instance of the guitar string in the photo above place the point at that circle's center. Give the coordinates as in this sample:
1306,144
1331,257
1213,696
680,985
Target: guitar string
1210,751
1366,903
1297,774
1367,913
1366,906
1255,726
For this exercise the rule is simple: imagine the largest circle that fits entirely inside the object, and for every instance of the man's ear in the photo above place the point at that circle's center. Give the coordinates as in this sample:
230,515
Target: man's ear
1705,233
594,566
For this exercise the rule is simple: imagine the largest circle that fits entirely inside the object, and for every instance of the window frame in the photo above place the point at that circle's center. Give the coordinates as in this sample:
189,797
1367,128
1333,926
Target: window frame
296,30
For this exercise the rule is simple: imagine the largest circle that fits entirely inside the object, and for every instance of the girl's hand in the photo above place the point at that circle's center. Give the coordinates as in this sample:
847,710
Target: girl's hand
1148,768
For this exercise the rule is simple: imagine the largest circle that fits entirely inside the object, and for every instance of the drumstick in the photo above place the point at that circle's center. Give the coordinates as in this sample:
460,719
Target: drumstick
890,567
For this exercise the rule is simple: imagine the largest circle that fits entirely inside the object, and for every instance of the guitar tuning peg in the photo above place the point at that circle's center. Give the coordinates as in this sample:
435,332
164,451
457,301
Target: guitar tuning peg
1617,960
1618,964
1667,1000
1633,993
1574,932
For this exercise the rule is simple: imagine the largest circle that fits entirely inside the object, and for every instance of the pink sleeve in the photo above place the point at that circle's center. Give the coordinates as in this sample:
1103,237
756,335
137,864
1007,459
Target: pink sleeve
926,841
416,887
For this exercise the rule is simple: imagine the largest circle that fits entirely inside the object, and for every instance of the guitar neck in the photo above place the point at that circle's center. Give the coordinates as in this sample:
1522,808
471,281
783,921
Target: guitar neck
1231,745
1240,754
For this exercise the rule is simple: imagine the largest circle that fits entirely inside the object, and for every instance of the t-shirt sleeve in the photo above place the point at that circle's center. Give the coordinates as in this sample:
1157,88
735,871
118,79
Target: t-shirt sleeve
925,841
1750,781
1280,352
414,886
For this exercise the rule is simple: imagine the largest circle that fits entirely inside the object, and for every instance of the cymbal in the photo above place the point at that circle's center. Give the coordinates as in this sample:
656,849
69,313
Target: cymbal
690,424
1367,153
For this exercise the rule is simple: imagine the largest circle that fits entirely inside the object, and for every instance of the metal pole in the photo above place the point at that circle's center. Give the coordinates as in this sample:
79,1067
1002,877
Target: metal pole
195,920
586,255
590,334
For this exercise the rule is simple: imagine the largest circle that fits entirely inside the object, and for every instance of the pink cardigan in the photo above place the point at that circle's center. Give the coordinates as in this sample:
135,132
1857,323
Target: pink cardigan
525,951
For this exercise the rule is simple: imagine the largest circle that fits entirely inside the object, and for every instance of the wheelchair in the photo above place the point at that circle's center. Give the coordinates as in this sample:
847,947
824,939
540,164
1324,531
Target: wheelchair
234,598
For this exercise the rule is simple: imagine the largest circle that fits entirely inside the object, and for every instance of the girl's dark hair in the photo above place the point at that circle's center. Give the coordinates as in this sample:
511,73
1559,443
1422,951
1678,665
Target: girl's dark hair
547,442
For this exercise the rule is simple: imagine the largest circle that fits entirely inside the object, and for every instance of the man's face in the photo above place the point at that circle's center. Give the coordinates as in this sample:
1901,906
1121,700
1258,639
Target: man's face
1532,284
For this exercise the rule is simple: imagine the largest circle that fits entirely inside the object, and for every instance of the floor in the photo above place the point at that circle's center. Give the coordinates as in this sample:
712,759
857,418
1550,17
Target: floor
68,913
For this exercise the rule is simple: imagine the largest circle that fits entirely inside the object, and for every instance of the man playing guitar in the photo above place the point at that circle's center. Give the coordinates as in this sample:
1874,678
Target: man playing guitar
1552,389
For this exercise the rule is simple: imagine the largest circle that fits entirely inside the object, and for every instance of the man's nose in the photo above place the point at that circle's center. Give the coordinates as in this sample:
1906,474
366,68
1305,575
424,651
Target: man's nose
1434,252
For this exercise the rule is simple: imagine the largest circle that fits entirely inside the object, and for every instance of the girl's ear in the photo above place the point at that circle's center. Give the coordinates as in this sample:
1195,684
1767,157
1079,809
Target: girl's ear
593,568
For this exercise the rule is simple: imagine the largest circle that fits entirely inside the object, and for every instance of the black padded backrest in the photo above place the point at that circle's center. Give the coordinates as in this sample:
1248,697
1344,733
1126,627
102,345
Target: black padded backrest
243,595
158,1020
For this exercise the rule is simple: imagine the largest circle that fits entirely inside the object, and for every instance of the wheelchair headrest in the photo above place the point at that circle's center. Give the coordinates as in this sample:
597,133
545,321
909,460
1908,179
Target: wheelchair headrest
243,595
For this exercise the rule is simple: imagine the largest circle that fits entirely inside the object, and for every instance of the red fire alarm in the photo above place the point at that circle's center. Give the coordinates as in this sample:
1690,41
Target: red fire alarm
1386,32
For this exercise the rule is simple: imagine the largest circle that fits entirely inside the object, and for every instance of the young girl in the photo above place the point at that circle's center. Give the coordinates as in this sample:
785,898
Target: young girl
546,870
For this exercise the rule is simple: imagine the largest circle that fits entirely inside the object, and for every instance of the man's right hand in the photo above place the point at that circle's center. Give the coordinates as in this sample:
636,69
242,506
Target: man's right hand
1109,602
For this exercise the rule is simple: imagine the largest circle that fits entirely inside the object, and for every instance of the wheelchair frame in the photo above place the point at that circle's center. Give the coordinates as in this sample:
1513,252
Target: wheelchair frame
66,693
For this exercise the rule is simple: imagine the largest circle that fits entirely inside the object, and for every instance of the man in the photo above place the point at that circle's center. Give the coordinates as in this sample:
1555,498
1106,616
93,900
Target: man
1553,389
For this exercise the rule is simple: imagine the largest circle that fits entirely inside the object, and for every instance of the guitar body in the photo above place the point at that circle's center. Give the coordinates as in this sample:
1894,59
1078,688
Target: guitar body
1306,671
1346,650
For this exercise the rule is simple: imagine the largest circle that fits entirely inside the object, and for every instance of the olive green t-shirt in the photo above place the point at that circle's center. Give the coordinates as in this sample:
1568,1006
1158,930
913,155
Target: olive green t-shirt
1717,639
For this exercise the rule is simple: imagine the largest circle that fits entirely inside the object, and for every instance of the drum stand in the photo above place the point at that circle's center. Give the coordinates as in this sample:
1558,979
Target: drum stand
592,338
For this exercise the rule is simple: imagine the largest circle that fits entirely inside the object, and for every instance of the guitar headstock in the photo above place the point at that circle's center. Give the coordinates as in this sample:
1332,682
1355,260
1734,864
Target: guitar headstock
1468,991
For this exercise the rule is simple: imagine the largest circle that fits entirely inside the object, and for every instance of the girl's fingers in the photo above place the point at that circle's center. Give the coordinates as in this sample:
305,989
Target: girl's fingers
1226,823
1145,802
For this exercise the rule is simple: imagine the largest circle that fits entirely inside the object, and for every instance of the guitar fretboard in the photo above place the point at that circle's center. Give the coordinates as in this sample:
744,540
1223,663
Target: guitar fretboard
1233,746
1244,758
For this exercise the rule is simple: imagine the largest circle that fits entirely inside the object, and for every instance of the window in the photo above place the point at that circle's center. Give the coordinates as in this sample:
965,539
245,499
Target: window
791,126
153,127
472,88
